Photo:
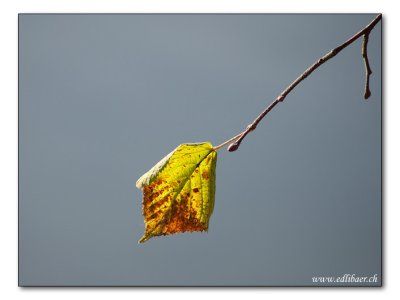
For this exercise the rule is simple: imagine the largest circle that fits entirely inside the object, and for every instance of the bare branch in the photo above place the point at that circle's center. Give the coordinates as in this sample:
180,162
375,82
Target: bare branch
368,71
364,32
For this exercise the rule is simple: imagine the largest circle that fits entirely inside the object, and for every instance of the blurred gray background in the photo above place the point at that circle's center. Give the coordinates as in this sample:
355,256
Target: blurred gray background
102,98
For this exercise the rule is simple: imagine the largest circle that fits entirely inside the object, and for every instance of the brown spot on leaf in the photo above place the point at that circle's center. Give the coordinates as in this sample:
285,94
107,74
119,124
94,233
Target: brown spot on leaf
180,223
195,190
205,175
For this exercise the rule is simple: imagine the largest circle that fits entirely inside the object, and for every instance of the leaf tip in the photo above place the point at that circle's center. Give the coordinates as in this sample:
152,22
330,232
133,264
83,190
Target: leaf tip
143,239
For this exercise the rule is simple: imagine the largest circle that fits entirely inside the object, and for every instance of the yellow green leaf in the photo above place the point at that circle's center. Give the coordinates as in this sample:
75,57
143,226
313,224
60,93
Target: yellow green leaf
179,191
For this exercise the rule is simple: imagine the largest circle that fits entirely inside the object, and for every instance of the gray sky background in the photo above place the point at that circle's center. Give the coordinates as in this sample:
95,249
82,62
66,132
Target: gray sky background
102,98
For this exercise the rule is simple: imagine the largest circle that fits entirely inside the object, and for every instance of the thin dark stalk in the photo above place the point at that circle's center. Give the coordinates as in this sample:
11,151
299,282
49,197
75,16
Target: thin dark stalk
368,70
364,32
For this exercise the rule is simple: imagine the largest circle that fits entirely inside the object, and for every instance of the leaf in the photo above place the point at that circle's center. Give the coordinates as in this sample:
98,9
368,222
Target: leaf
179,191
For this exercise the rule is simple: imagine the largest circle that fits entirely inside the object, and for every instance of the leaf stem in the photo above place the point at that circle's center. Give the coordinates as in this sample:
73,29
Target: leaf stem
237,140
227,142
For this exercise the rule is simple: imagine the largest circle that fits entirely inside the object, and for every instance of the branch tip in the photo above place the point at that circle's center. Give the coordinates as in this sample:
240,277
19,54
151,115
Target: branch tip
233,147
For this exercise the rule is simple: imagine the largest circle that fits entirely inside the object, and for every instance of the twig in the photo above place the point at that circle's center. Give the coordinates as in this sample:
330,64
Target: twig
239,138
368,71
